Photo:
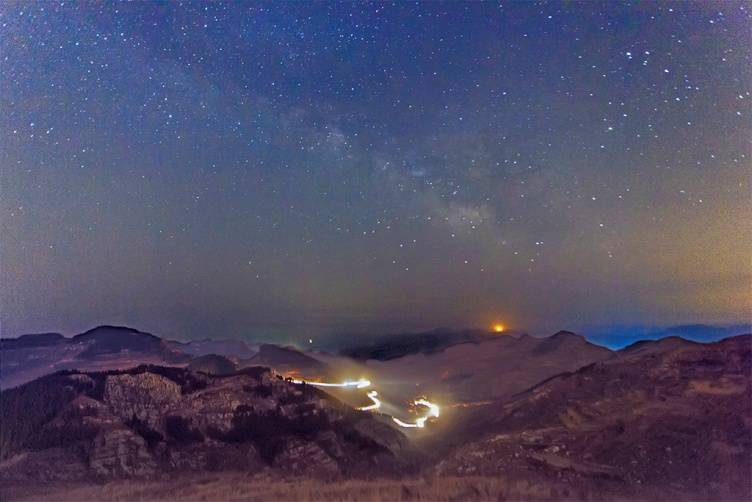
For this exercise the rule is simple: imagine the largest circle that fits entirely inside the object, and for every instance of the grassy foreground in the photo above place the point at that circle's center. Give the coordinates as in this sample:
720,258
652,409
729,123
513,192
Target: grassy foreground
232,487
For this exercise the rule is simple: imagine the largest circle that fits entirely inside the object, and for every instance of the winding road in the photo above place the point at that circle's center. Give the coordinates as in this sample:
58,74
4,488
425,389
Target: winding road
433,409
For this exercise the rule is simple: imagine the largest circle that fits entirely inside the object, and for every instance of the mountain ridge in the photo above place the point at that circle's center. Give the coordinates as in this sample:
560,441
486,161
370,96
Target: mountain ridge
636,419
151,419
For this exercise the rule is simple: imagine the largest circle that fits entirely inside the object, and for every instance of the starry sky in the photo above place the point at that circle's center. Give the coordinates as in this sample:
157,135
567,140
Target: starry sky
282,170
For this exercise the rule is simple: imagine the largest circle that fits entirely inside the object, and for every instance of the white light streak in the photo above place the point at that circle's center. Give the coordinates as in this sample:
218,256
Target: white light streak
359,384
433,411
376,402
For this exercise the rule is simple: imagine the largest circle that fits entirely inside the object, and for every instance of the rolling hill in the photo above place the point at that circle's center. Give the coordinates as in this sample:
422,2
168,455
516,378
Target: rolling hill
668,419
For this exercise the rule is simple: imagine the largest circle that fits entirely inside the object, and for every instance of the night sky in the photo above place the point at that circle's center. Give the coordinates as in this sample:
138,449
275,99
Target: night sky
285,170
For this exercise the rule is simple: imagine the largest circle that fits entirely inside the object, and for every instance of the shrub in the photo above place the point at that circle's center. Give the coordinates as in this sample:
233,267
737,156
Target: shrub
268,431
179,429
291,398
61,436
255,372
261,391
25,409
151,436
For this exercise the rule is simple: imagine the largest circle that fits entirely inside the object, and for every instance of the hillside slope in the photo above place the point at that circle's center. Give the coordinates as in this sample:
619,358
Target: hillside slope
665,419
491,369
152,420
287,360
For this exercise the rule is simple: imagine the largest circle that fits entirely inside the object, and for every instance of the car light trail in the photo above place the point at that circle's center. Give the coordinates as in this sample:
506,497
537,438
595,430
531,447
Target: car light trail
376,402
433,409
359,384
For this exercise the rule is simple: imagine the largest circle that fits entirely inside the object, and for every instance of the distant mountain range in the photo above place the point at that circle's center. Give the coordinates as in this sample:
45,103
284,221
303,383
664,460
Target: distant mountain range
389,346
620,337
288,360
386,347
665,420
229,348
115,347
102,348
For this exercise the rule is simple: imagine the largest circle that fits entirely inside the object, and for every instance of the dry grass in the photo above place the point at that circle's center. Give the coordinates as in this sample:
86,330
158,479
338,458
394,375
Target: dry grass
235,487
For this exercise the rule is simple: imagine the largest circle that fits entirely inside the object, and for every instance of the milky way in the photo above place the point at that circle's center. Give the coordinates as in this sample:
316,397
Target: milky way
286,170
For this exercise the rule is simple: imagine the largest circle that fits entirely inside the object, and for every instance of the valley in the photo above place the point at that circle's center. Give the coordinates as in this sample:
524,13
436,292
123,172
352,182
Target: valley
669,417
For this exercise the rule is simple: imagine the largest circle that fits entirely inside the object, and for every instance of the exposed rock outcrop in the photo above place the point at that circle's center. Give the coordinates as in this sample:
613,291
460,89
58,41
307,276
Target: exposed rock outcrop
151,420
119,452
306,458
145,396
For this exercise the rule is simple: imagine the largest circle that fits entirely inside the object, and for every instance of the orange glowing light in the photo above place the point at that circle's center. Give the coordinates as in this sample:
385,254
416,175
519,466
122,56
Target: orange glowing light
498,328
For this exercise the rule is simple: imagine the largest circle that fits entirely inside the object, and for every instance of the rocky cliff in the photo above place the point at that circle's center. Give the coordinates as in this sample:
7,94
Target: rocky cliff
152,420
